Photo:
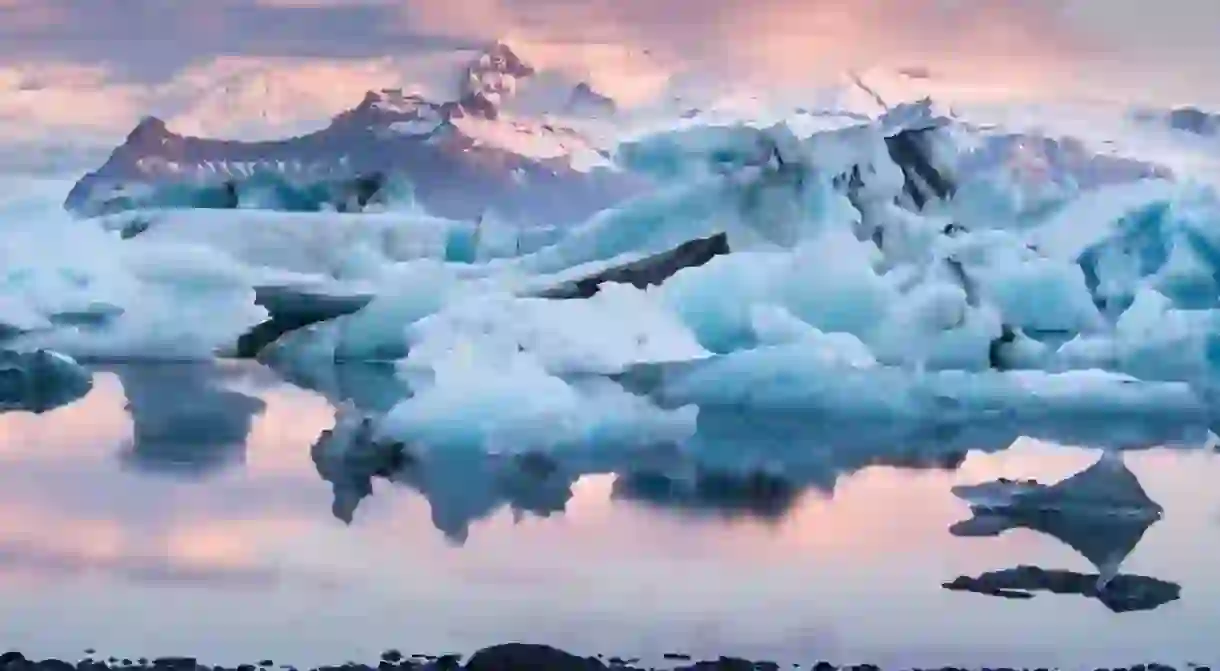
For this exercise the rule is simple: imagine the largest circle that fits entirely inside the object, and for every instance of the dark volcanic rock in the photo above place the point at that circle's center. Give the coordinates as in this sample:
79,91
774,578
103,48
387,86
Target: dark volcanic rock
507,657
722,664
176,663
646,272
529,657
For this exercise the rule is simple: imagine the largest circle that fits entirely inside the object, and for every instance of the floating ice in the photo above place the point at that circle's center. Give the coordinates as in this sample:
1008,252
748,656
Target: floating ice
484,398
884,270
40,380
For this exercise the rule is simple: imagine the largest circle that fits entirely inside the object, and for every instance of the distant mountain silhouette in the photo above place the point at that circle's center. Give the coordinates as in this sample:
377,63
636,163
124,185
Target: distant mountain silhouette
454,173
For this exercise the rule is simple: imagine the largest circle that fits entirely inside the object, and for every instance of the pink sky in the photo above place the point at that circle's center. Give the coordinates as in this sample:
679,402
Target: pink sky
117,59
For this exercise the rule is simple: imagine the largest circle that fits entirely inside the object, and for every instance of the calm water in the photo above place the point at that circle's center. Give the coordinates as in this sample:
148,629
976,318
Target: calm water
177,510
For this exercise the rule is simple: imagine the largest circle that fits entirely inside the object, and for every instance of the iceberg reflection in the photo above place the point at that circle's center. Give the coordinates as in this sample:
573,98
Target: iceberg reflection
1102,513
185,420
737,463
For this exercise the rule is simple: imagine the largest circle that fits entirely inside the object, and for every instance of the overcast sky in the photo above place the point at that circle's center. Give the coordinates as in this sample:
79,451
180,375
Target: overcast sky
1164,51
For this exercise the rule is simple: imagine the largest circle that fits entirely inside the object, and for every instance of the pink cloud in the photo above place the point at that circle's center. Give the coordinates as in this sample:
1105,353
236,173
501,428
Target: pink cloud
784,39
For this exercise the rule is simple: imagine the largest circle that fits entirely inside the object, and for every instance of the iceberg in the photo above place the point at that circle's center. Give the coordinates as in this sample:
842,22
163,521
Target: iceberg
40,380
911,268
853,290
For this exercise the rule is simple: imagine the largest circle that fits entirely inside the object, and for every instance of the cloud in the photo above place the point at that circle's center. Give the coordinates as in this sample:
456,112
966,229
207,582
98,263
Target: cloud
203,64
151,39
779,40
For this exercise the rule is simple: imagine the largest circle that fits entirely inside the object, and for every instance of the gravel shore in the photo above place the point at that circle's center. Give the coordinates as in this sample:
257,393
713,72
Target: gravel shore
506,657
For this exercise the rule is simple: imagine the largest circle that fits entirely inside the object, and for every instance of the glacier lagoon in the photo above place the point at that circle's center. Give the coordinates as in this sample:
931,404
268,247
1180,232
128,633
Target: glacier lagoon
727,461
178,508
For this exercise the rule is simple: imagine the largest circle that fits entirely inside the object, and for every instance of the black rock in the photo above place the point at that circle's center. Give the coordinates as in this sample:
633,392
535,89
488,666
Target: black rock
447,662
677,656
722,664
177,663
10,657
529,657
266,662
54,665
392,656
824,666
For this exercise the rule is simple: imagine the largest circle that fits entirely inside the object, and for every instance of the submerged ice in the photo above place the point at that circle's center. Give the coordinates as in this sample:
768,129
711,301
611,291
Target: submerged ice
899,269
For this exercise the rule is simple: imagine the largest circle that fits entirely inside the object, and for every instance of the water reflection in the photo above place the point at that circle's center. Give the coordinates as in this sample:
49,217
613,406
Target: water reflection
766,536
1105,542
738,463
1101,512
372,387
186,421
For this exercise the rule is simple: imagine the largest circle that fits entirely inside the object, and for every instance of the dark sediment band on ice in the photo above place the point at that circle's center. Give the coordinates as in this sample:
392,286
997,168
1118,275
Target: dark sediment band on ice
650,271
506,657
290,309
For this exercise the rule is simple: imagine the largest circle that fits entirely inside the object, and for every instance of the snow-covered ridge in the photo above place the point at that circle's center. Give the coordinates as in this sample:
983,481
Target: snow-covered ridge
461,157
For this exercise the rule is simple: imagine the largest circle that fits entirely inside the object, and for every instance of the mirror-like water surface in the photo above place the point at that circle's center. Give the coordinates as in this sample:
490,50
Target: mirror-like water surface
176,509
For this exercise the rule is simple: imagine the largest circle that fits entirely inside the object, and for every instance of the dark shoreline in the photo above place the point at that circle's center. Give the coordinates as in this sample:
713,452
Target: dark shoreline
506,657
